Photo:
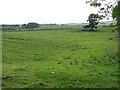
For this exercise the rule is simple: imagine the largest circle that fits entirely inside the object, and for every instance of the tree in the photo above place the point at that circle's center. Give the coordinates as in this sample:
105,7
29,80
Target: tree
108,9
32,25
93,20
105,8
24,26
116,12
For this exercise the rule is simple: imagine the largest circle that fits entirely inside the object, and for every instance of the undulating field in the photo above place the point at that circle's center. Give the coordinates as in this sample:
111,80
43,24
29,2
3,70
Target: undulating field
60,59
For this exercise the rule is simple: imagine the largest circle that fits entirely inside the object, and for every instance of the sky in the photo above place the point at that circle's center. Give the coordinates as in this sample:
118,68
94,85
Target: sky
44,11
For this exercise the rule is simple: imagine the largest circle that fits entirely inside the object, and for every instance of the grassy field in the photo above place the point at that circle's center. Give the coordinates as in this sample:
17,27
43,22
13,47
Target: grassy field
60,59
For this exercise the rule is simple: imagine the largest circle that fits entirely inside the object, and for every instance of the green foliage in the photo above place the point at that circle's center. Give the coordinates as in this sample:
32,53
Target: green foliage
30,25
93,21
60,59
106,9
116,12
10,27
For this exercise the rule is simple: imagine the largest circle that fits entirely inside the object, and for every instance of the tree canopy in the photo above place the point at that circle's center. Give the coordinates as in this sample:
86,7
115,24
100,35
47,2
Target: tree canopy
116,11
93,20
107,9
30,25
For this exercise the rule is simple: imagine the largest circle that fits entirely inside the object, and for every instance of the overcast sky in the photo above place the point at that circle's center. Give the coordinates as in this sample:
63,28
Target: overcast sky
44,11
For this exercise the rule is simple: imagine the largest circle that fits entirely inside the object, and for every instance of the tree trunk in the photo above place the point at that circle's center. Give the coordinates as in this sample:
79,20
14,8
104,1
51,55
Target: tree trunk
119,19
118,46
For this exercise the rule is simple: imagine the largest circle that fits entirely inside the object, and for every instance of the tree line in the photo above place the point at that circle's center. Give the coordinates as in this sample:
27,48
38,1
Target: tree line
30,25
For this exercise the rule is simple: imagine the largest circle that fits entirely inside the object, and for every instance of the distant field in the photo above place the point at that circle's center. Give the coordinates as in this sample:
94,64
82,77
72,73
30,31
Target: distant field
60,59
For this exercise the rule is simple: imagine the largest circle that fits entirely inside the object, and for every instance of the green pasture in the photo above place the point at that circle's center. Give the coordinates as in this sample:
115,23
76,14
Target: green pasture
60,59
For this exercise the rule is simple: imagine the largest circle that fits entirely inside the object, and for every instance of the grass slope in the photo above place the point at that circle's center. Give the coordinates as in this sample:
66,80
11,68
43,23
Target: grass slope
60,59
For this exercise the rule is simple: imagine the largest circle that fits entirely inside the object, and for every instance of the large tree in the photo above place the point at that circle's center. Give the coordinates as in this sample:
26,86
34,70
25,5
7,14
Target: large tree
32,25
108,9
93,20
116,12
